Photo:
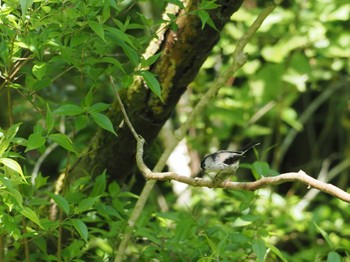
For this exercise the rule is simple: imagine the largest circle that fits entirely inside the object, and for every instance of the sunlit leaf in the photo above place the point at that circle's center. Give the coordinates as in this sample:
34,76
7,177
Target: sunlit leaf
12,164
39,70
14,192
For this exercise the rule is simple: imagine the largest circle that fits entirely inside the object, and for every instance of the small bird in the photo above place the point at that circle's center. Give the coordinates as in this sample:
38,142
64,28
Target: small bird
224,162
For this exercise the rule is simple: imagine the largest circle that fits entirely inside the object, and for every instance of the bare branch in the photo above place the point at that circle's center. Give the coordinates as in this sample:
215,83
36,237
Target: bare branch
300,176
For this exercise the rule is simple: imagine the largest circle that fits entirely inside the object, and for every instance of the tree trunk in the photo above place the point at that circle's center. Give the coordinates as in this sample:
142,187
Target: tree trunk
182,54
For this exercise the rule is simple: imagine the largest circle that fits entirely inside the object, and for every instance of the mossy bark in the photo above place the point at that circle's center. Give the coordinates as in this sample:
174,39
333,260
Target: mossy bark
182,54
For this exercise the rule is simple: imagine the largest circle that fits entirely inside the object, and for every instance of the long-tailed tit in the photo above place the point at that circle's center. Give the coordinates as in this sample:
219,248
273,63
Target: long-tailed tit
224,163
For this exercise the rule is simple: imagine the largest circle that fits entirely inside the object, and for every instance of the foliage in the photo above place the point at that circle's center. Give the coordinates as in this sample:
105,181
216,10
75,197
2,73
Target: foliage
56,60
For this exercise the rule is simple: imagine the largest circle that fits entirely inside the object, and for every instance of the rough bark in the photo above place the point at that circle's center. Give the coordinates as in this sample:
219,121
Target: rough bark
182,54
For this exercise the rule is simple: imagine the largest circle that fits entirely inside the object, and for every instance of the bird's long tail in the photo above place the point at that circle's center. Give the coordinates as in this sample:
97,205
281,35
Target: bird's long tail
249,146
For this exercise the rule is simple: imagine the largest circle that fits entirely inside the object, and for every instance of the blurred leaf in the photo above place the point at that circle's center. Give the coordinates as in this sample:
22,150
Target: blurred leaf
25,4
150,61
259,249
334,257
14,192
50,122
81,122
290,116
69,110
85,204
12,164
88,98
35,141
276,251
325,236
98,29
261,169
12,131
103,121
257,130
81,228
60,201
63,140
340,13
29,213
98,107
282,49
99,185
144,232
39,70
243,221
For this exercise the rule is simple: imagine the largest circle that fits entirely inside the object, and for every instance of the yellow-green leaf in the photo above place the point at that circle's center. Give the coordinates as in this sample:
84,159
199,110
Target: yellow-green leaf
12,164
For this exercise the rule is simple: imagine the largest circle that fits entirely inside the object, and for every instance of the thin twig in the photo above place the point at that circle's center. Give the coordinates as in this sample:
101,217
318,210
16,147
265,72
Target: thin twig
125,115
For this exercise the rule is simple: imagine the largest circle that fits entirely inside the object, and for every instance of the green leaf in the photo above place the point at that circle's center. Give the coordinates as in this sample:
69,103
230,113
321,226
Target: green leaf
50,122
177,2
12,164
81,122
127,80
86,204
99,185
61,202
211,243
81,228
152,83
151,60
103,121
147,233
261,169
35,140
208,4
14,192
29,213
88,98
63,140
39,70
131,53
98,29
69,110
289,115
276,251
25,4
206,19
98,107
259,249
325,236
7,137
334,257
12,131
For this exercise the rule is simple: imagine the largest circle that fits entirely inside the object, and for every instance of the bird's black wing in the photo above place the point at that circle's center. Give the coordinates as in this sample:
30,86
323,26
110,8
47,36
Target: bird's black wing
232,159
